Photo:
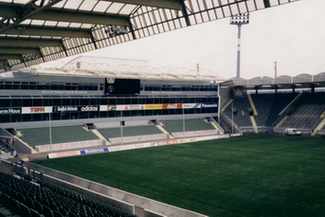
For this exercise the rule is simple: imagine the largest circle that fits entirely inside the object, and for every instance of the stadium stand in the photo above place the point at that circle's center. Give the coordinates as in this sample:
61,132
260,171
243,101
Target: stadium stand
110,133
307,113
269,106
129,131
30,199
174,125
129,134
241,112
5,141
62,138
304,114
277,105
4,212
41,136
226,124
189,127
160,131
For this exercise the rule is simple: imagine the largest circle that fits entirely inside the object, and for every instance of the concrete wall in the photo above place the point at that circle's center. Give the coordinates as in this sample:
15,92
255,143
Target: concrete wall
138,139
69,145
195,133
37,124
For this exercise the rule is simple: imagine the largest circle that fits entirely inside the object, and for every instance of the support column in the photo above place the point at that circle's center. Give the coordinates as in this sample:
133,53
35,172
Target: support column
132,30
64,49
238,51
42,56
92,38
22,60
184,12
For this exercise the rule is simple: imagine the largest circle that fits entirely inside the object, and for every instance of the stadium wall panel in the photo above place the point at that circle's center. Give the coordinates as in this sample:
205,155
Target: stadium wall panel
69,145
37,124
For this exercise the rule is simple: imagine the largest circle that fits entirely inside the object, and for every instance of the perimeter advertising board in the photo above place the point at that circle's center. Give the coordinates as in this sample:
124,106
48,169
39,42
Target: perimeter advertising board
37,110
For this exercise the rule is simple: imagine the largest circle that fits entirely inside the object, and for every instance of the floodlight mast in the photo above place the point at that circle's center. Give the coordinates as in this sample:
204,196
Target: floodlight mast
239,20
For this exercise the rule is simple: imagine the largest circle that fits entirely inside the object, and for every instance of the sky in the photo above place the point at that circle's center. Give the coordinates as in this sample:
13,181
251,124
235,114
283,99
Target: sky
292,34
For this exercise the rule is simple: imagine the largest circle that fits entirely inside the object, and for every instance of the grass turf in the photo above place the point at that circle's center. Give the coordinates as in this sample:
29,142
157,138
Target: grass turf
255,176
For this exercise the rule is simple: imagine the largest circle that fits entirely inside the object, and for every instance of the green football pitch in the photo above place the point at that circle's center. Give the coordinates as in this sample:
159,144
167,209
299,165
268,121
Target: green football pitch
254,176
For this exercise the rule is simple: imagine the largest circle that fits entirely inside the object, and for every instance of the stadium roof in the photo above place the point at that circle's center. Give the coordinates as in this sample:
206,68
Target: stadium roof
45,30
105,67
283,81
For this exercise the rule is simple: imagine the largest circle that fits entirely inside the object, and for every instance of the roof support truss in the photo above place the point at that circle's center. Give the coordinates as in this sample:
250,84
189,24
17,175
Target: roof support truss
15,17
29,42
49,31
168,4
4,56
21,51
13,12
160,16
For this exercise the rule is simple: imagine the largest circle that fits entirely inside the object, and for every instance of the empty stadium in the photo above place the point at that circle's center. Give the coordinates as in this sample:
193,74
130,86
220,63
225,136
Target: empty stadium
84,134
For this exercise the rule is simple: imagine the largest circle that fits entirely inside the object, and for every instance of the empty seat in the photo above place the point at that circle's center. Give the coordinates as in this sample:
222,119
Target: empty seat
29,200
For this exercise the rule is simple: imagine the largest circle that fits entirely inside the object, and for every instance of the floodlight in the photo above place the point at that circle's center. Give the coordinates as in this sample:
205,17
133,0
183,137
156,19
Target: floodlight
239,20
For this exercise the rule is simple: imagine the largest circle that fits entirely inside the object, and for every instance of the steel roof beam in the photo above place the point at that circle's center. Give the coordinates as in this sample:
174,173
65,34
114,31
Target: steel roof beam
65,15
10,10
12,18
49,31
4,56
21,51
168,4
29,42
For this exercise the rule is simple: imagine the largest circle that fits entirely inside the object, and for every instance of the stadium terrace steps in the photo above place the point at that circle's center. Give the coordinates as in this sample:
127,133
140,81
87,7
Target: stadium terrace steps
41,136
307,113
4,212
33,200
217,126
140,130
269,106
99,135
291,104
174,126
6,141
241,111
190,128
279,110
57,138
320,126
198,124
22,147
162,130
129,134
229,125
160,126
226,105
110,133
129,131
